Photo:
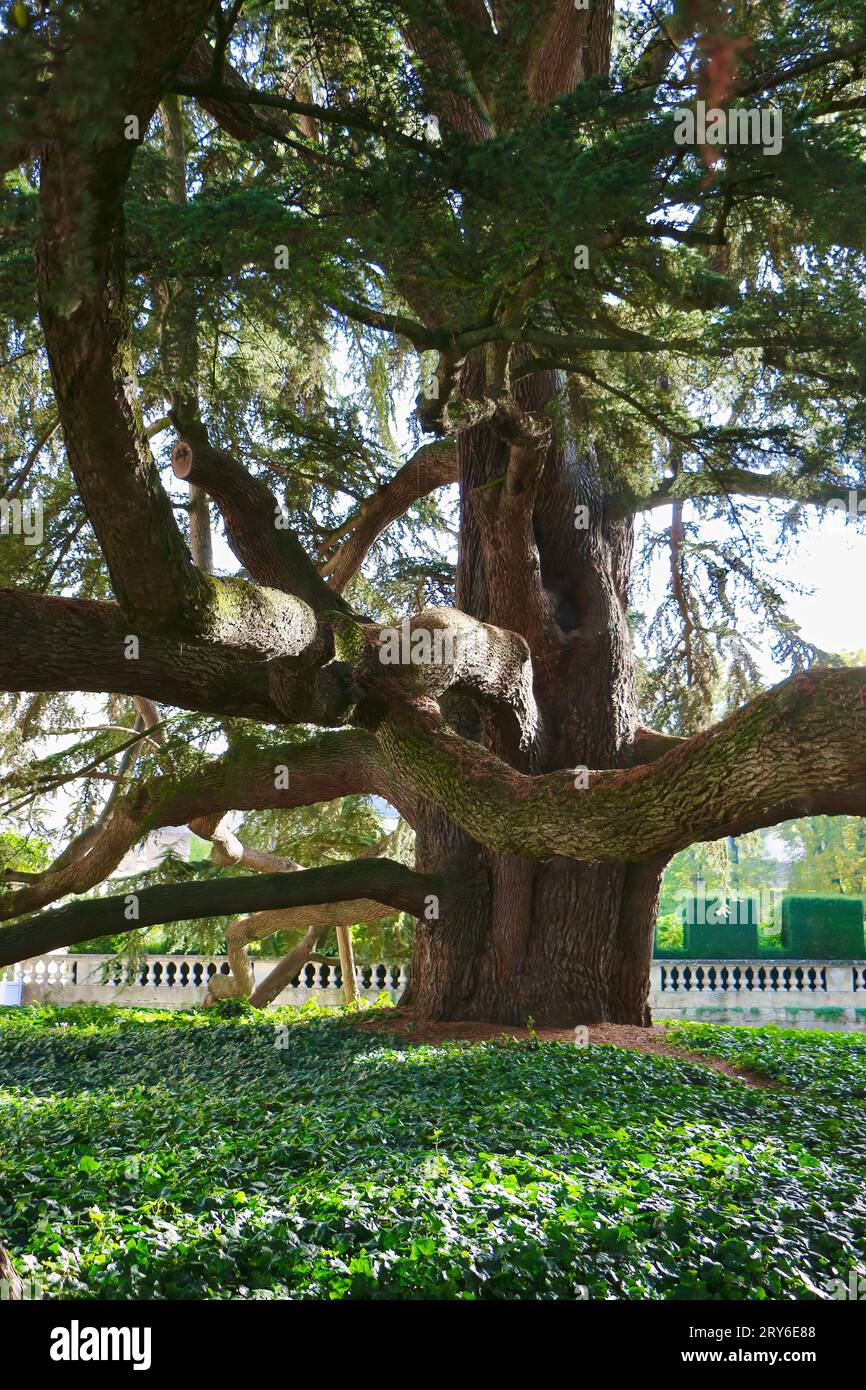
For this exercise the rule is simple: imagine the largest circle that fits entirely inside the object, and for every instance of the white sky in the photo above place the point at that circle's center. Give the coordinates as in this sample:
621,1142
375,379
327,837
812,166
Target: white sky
828,558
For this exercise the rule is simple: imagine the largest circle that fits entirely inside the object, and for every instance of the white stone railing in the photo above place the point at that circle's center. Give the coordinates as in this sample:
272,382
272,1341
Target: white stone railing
180,982
794,993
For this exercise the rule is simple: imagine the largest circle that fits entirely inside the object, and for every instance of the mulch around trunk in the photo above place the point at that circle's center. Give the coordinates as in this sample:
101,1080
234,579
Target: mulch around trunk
655,1040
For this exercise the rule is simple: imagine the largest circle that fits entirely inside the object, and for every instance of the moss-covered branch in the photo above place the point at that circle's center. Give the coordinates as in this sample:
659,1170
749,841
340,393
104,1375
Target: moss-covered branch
799,749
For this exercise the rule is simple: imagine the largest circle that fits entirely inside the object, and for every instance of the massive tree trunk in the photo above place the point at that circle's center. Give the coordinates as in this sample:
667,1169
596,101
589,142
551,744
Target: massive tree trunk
564,942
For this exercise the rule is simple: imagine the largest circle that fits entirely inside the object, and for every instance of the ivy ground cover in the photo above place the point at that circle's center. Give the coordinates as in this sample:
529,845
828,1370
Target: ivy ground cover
175,1155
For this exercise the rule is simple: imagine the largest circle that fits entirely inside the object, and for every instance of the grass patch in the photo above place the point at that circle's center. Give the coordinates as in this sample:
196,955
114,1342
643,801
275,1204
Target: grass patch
171,1155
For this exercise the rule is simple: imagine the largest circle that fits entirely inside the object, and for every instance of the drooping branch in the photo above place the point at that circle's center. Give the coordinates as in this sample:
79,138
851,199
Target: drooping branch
799,749
433,466
728,481
382,880
147,717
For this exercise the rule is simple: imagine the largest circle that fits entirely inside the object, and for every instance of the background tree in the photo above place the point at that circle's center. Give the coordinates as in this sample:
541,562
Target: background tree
599,321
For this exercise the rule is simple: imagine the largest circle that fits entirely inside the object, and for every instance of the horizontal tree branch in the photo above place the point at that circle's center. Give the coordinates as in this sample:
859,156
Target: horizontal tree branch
381,879
799,749
244,779
725,481
215,95
418,334
50,643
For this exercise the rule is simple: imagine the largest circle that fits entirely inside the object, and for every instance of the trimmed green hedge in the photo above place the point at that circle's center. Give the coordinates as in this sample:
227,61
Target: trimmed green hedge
725,941
822,926
721,927
819,927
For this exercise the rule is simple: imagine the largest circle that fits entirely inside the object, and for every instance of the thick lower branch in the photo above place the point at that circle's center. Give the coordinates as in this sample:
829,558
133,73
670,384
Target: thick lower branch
55,644
381,880
799,749
313,921
228,849
245,779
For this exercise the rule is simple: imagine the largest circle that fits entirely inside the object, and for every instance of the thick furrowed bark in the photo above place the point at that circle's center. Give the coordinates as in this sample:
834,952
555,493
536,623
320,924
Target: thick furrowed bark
77,644
569,941
796,750
563,943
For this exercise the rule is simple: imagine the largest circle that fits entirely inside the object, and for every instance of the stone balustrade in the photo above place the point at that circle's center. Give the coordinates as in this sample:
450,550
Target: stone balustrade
828,994
792,993
180,981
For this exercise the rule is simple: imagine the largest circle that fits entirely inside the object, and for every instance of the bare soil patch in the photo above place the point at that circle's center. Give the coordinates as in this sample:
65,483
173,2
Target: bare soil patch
655,1040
